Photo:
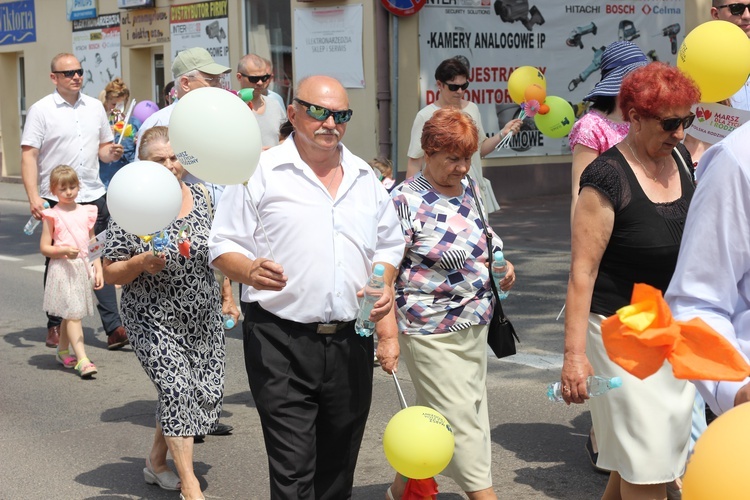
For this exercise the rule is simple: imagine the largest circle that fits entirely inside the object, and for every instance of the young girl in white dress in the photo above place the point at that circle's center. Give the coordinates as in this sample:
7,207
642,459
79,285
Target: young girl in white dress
68,291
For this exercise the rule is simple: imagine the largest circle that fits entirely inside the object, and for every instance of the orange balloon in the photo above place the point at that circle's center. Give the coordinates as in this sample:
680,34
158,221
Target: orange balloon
534,92
543,109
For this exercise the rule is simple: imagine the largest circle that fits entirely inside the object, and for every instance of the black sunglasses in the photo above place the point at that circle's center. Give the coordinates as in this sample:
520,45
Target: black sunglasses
672,124
256,79
68,73
454,86
321,114
736,9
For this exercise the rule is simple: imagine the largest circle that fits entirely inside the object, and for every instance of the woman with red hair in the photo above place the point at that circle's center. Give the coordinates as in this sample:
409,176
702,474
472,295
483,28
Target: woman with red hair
444,300
627,227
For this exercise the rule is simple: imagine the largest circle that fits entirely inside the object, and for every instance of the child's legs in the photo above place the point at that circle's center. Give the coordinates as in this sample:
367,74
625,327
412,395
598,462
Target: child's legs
74,331
64,342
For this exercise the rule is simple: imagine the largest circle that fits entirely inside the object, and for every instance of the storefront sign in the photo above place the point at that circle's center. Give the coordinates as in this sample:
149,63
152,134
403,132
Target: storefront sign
564,40
80,9
144,27
96,44
17,22
202,24
328,41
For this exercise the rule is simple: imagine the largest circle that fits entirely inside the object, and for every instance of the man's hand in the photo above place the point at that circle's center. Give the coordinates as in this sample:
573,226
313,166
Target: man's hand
388,352
36,205
382,306
266,274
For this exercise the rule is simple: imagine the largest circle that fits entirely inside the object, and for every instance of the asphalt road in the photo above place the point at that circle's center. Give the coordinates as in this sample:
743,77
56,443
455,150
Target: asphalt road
63,437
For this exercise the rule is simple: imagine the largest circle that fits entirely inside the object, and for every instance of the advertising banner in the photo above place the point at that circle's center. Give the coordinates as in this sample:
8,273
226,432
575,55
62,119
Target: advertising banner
202,24
329,41
17,22
713,122
564,40
96,44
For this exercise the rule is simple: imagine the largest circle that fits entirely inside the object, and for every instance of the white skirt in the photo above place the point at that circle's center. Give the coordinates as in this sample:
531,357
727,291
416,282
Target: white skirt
68,292
642,428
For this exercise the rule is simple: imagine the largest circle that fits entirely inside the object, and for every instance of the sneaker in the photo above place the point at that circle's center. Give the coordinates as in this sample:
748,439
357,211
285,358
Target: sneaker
117,339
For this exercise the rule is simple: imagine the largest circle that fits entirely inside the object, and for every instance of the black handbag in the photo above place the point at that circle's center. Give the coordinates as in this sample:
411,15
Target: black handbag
501,336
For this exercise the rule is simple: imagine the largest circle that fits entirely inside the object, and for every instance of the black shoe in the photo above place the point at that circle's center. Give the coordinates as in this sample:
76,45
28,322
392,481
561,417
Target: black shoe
221,430
199,439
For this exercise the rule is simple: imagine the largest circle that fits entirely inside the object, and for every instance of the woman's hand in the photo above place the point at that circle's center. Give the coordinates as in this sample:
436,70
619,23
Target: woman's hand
151,263
576,369
510,278
513,126
228,305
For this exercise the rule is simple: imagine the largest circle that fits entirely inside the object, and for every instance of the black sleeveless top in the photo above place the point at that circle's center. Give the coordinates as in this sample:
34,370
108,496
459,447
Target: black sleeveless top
646,236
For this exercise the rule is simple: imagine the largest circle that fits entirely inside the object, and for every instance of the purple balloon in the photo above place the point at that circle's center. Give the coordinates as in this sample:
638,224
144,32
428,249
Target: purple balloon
144,109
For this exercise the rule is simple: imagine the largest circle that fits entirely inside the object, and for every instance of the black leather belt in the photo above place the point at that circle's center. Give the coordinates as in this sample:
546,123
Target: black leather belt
320,328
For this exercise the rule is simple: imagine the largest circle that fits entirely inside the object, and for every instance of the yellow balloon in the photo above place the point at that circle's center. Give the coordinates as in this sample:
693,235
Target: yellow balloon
521,79
716,55
558,121
418,442
718,468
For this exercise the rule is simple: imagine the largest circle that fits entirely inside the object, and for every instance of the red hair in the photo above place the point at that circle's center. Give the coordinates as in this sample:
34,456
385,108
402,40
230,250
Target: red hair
650,89
450,131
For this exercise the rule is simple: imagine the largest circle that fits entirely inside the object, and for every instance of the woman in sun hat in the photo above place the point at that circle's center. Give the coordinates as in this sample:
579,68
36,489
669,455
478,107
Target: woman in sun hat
603,126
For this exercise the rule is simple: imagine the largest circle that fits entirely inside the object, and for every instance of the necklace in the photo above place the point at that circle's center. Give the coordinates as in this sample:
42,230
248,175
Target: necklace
654,178
333,178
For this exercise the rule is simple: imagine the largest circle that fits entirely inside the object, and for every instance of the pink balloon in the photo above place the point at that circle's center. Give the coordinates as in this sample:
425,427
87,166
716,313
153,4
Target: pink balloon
144,109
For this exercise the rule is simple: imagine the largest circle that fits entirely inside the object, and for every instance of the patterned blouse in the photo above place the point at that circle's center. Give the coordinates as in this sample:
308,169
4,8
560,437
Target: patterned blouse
596,131
443,282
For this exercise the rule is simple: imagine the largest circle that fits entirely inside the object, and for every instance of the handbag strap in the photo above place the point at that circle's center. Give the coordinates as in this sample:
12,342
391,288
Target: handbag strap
488,235
208,200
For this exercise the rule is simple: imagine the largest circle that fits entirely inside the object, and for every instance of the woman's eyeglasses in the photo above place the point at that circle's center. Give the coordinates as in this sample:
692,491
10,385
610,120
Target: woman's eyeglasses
69,73
736,9
454,86
256,79
672,124
321,114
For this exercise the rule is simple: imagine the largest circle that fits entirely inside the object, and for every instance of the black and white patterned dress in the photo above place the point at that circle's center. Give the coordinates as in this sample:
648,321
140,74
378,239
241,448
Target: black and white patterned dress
173,321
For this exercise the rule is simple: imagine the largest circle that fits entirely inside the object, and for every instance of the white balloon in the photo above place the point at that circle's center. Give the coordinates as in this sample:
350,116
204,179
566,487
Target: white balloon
144,197
215,136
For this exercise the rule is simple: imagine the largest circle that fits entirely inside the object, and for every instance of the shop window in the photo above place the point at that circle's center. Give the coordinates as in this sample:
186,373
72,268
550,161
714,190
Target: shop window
269,35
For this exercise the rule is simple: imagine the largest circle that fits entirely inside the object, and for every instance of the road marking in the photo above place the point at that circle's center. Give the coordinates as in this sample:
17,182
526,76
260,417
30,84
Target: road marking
541,361
39,269
9,259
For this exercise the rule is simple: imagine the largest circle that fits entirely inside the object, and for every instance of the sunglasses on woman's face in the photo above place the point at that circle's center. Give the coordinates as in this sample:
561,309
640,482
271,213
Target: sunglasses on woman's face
256,79
736,9
454,86
69,73
321,114
672,124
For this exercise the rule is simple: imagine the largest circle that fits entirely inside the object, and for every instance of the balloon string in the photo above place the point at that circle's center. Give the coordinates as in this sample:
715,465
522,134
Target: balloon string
506,140
260,221
401,398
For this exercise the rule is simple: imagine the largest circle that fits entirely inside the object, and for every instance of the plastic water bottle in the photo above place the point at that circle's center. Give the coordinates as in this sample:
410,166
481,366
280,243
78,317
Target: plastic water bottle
31,226
373,291
499,270
228,321
596,386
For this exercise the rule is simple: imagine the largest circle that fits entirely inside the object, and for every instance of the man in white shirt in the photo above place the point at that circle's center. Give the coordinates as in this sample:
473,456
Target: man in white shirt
192,69
712,277
71,128
736,12
251,74
328,221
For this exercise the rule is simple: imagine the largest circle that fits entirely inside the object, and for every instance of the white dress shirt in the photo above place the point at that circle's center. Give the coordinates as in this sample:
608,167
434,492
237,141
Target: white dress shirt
712,277
68,135
326,246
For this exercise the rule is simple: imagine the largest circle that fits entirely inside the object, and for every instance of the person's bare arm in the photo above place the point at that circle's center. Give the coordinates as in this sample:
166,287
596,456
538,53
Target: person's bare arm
261,273
123,272
30,177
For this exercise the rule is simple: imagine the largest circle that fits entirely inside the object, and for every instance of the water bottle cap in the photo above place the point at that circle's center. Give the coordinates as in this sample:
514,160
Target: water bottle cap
551,392
499,255
379,270
615,382
229,322
46,204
